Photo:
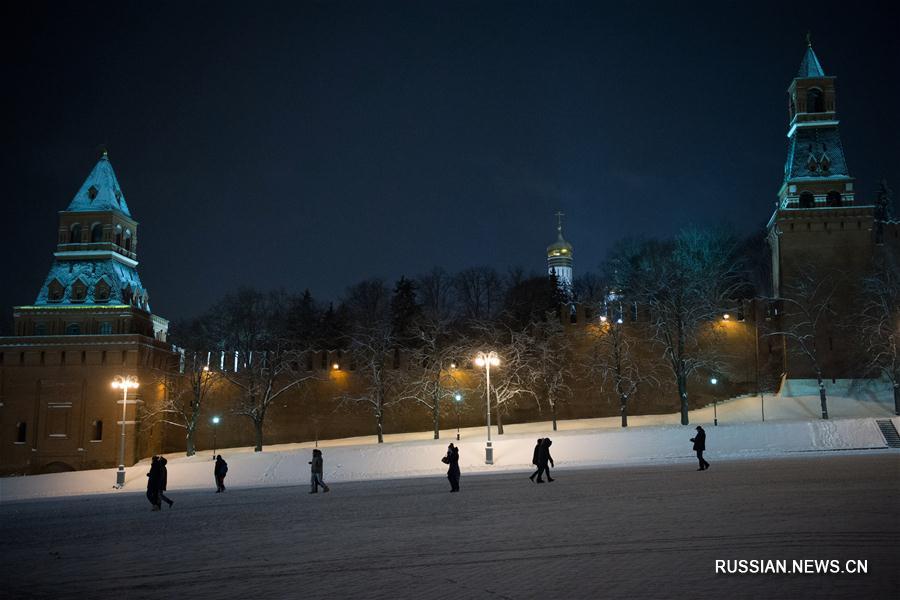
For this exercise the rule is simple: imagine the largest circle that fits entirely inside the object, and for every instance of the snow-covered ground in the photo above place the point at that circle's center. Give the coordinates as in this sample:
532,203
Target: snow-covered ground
792,425
652,531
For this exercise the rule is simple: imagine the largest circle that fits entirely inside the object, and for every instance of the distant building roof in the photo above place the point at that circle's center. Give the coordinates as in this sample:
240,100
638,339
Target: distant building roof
100,191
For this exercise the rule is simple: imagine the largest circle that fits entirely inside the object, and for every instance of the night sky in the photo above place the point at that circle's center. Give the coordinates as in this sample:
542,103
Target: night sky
312,145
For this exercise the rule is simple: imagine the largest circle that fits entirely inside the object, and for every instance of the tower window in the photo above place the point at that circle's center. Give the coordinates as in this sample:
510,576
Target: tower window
96,233
105,328
128,240
101,291
79,291
807,200
75,234
92,192
55,291
834,199
815,101
21,432
118,235
97,431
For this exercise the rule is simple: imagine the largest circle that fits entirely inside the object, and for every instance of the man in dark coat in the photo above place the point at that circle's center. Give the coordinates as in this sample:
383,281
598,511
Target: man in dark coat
699,446
153,483
452,459
317,468
163,476
219,472
534,458
543,459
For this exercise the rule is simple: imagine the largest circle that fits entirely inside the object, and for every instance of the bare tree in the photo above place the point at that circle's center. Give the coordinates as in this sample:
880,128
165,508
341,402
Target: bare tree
372,343
480,292
251,324
807,312
550,362
186,390
682,286
879,323
612,358
511,380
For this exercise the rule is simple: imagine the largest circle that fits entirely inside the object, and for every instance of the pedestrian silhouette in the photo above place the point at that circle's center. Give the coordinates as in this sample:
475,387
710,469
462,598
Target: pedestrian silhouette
534,458
316,470
452,459
219,472
153,483
700,445
163,475
544,460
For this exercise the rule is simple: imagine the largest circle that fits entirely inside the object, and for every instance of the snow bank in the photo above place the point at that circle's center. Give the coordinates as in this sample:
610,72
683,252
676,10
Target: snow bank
346,461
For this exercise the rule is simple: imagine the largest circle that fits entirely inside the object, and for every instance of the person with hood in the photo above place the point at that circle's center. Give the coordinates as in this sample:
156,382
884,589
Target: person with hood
163,475
534,458
699,446
543,459
317,468
153,483
452,459
219,472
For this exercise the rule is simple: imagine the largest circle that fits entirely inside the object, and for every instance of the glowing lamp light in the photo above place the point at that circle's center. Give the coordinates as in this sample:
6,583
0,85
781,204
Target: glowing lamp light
125,383
603,318
457,396
215,420
479,361
206,368
714,381
619,320
726,316
336,366
453,365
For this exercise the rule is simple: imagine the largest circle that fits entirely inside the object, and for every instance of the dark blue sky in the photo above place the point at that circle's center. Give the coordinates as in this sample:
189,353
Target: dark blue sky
316,144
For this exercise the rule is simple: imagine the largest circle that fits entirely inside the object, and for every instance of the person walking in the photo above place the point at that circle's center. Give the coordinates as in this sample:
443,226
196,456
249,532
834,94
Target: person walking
219,472
153,483
699,446
316,468
163,475
452,459
534,458
544,459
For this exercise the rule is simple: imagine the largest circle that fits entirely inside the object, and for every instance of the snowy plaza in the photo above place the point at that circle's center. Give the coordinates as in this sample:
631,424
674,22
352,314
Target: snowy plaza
650,531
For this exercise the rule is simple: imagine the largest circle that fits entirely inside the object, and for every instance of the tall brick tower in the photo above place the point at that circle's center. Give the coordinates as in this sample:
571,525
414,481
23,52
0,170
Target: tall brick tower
818,225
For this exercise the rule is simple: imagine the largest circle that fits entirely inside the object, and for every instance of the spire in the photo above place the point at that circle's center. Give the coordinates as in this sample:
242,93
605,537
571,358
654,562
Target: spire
100,191
810,66
559,215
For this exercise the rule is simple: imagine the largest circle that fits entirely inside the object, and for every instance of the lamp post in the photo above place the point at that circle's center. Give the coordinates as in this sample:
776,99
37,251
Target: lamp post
486,360
124,383
458,398
215,422
714,381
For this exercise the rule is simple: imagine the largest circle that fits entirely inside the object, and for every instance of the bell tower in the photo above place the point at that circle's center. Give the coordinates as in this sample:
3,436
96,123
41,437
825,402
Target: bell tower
559,259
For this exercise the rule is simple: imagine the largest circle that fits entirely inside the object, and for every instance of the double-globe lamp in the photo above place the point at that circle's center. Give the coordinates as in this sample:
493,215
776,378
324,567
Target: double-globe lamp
488,360
124,383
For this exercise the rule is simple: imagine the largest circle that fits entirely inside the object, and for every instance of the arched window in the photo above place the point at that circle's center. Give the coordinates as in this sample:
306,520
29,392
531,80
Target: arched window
96,233
128,240
21,432
75,234
807,200
814,101
834,199
118,235
73,329
97,433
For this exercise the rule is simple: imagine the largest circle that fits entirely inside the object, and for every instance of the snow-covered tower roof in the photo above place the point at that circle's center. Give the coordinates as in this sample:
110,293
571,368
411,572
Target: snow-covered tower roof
100,191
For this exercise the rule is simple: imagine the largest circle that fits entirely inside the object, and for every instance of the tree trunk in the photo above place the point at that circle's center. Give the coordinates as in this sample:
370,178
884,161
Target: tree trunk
897,398
258,425
499,421
683,394
190,447
553,412
623,408
822,399
379,425
436,415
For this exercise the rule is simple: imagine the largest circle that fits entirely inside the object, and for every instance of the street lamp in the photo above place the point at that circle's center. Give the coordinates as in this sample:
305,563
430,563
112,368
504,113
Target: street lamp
714,381
215,422
458,398
487,360
124,383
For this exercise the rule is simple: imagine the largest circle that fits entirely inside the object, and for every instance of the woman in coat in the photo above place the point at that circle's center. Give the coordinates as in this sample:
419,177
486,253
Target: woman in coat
153,483
219,472
452,459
